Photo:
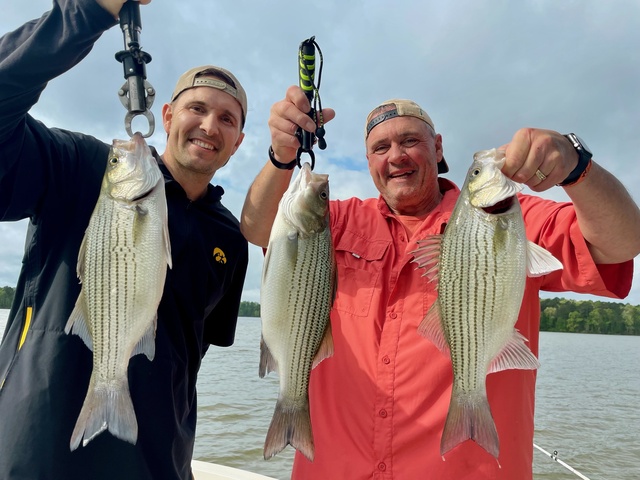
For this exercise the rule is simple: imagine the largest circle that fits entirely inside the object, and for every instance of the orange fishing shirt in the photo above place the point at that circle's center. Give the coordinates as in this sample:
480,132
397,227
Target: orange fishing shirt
378,406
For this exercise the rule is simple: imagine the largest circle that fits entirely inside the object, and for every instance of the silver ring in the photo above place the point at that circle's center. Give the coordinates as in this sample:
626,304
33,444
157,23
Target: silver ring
541,175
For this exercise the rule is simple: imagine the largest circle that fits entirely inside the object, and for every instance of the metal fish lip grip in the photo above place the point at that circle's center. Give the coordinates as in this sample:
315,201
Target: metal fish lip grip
137,94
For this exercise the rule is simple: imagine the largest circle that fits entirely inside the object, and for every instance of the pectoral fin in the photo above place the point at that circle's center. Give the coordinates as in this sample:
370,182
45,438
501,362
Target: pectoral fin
431,328
325,350
540,261
267,362
147,343
515,354
427,256
77,323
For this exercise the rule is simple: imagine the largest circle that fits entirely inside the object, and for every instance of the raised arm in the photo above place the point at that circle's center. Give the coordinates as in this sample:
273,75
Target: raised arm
31,56
608,217
114,6
38,51
261,204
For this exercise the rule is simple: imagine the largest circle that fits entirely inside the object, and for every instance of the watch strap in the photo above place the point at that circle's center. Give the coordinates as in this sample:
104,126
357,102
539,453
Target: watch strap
584,163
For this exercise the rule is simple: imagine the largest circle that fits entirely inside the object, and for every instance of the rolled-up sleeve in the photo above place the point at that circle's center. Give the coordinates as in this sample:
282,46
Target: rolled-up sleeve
554,226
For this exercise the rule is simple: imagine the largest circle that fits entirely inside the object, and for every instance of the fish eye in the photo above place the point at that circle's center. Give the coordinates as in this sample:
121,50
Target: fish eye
475,173
113,160
323,195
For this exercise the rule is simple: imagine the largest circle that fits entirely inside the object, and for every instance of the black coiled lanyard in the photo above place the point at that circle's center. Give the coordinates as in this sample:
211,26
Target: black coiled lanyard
307,66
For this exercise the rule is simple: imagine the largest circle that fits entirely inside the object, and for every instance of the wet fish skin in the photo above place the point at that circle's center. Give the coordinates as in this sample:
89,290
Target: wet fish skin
480,262
122,267
297,291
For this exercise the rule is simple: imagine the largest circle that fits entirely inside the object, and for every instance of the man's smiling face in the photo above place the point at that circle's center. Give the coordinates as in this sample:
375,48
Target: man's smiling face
204,127
403,155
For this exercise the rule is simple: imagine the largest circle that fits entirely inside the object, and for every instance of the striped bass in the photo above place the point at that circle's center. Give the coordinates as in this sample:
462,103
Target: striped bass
296,294
122,267
481,262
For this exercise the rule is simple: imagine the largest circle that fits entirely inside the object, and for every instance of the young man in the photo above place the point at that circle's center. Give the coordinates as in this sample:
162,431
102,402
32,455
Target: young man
378,406
53,177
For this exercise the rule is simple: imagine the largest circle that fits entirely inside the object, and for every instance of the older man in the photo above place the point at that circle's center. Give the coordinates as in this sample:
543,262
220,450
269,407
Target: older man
378,406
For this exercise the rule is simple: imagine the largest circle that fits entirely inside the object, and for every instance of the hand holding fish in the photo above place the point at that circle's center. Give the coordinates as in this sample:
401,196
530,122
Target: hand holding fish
541,159
286,116
609,218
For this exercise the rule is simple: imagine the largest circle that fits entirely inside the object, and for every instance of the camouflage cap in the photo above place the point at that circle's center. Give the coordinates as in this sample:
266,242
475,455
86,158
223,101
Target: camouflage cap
400,108
202,77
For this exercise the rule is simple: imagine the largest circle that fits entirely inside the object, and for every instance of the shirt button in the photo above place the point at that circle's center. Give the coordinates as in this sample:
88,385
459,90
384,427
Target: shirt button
382,467
383,413
393,315
386,360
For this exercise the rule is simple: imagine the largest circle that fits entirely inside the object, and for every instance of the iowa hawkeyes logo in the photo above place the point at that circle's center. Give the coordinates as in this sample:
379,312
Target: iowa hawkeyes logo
219,256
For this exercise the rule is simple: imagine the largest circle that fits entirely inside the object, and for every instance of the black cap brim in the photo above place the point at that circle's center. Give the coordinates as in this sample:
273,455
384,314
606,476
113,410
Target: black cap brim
442,166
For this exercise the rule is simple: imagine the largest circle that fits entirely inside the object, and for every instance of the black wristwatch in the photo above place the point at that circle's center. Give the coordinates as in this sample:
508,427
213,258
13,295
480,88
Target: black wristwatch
584,159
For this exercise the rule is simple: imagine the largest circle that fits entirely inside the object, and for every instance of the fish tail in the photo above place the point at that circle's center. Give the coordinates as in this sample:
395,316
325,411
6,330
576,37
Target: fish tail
106,408
470,417
290,425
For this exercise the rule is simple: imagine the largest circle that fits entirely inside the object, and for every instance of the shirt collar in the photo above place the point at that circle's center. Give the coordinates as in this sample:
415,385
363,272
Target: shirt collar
449,191
214,192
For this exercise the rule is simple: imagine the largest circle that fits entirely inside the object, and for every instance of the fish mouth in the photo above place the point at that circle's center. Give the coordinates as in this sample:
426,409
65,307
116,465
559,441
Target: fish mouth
138,139
502,206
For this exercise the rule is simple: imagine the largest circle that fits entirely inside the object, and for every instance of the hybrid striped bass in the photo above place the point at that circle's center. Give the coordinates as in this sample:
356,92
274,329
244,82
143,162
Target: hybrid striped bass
297,291
481,262
122,266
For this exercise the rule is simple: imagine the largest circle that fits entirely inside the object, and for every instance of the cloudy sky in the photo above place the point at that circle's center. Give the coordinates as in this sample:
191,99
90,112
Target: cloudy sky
481,68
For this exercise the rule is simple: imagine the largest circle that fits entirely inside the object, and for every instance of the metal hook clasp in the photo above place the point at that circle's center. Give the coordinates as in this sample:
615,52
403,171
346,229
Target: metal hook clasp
129,97
136,94
312,156
149,116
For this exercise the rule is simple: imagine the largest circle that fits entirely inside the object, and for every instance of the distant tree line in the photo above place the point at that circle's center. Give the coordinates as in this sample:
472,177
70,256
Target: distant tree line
585,316
6,296
556,314
249,309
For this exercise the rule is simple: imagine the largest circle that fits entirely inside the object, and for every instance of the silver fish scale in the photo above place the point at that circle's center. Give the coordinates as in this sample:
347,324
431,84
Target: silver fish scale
122,266
481,263
482,275
115,284
296,294
309,306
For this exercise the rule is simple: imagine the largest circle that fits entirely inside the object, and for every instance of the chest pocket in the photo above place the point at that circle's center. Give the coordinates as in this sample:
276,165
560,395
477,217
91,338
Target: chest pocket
360,265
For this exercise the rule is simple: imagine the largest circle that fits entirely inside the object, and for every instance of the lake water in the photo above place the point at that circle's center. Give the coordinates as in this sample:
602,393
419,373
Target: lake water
587,406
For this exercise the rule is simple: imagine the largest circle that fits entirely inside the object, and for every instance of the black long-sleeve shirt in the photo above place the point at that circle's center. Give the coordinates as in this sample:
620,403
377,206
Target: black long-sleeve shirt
52,177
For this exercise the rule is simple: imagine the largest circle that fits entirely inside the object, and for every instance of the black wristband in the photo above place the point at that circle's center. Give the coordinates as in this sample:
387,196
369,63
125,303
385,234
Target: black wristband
280,165
584,161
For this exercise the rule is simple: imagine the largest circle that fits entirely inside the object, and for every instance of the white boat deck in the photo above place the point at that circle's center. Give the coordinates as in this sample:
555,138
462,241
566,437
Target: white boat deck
211,471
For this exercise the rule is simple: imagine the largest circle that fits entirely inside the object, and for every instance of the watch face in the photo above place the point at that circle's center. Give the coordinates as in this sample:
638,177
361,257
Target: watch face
578,143
582,144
